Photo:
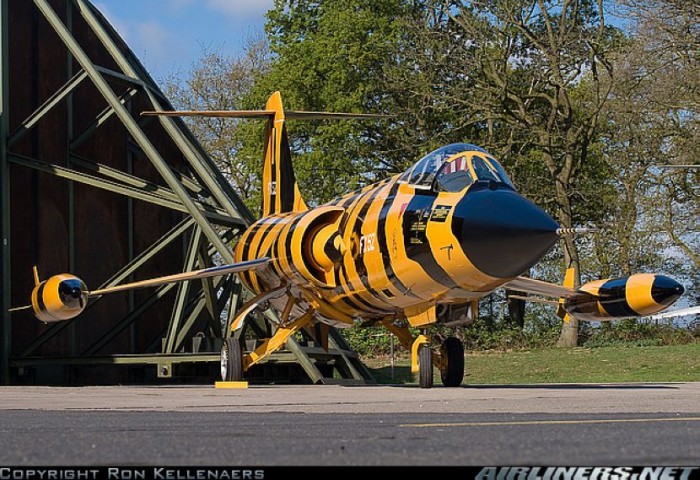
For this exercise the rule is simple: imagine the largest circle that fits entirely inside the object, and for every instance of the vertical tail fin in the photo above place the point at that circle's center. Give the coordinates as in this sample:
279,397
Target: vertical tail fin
280,191
36,276
568,282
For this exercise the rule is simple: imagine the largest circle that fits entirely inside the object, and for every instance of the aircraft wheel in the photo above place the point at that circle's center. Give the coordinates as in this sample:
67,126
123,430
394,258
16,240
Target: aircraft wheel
425,366
231,361
452,373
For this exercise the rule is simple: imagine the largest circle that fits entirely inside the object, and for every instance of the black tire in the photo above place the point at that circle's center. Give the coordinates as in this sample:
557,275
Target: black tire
425,366
453,372
231,361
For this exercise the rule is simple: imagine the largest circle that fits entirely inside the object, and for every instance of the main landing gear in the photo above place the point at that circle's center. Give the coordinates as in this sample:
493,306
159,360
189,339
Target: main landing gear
449,359
450,362
231,360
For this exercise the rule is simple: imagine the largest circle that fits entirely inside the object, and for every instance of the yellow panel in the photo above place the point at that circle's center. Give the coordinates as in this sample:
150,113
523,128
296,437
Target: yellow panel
421,315
231,385
638,294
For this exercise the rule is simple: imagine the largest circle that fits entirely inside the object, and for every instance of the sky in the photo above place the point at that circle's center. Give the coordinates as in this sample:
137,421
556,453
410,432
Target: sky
168,36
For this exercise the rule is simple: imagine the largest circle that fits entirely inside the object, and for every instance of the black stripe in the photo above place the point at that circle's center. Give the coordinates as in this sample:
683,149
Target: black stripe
613,298
415,221
247,238
288,245
273,176
285,187
276,255
40,297
267,226
343,224
353,300
384,244
360,265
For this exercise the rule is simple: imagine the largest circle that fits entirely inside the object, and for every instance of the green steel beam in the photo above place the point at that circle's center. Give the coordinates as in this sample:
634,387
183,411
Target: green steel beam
121,79
199,161
183,291
131,126
128,190
124,323
100,120
5,275
132,316
210,294
133,359
194,314
39,113
116,279
189,183
125,178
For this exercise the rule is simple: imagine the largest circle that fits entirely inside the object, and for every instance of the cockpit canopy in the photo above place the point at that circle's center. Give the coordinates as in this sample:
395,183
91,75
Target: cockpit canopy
454,167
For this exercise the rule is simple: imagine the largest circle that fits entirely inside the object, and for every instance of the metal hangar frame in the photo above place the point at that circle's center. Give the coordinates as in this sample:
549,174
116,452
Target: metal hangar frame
89,186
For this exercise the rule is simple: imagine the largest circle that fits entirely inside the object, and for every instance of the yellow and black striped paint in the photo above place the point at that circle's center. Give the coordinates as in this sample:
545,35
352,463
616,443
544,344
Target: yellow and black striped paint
399,249
624,297
59,298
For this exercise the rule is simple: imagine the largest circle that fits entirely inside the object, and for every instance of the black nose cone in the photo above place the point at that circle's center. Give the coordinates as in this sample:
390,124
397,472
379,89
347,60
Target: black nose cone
73,293
666,290
502,233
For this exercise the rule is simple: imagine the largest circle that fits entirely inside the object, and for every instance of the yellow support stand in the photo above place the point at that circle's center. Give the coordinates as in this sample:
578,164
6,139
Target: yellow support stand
231,385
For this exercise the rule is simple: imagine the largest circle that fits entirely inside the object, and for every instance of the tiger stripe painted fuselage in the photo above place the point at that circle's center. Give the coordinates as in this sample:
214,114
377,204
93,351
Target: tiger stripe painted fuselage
400,249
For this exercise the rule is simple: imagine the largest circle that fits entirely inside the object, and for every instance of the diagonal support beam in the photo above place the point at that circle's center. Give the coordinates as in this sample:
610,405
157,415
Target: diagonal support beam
39,113
132,127
183,291
100,120
200,161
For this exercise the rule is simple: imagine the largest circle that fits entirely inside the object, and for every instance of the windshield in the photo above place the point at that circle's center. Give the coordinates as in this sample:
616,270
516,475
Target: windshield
423,172
454,167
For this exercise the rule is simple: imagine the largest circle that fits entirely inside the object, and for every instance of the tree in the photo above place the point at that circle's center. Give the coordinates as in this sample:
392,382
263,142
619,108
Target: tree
654,122
217,82
534,75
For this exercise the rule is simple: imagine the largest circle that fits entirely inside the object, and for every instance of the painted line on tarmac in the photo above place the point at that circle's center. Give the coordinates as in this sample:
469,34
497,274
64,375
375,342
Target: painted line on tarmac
550,422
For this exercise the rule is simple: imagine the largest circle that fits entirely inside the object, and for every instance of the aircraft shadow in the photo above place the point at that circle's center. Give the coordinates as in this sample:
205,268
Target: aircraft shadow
548,386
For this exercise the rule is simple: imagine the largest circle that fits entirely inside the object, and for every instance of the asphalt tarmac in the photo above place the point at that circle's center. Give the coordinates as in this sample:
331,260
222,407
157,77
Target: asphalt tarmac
548,425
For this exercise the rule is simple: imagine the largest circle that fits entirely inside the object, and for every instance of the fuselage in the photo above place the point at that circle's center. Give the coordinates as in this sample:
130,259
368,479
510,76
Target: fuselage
406,242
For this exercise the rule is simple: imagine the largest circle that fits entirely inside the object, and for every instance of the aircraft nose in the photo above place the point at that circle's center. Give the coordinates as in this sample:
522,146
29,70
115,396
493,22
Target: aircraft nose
666,290
73,293
502,233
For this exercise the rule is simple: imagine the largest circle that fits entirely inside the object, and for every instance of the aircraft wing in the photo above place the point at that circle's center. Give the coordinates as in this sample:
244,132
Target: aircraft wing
538,287
677,313
181,277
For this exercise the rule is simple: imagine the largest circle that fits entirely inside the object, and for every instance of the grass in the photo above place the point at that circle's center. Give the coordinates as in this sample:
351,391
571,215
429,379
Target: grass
678,363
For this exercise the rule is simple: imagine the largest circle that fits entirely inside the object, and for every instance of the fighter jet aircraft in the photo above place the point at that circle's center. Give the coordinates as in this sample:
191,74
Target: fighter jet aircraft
414,250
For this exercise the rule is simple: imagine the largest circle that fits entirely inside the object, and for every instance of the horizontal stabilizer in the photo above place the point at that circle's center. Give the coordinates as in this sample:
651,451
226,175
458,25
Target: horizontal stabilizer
299,115
678,313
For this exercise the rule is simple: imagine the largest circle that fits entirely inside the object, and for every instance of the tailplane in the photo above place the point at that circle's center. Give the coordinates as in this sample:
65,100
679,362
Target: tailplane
280,191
